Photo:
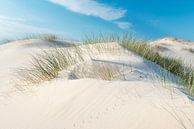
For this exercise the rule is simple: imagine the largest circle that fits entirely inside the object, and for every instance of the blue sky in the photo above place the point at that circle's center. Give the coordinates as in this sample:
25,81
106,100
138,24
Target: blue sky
149,19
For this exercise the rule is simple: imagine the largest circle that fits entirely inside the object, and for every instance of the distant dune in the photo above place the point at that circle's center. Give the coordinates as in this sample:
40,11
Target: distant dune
176,48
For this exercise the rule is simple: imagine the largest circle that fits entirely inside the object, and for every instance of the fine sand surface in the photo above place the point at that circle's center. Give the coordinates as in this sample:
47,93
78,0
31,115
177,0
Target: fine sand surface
138,99
176,48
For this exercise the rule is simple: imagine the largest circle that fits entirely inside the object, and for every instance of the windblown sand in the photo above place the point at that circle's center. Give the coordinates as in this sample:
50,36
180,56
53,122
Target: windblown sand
140,100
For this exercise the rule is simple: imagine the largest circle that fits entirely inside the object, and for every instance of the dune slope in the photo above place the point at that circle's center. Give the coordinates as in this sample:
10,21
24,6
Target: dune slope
176,48
137,98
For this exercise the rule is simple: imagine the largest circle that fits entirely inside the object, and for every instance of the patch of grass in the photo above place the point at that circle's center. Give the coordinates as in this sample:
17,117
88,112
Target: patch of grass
174,66
49,37
106,72
48,64
102,43
99,70
100,38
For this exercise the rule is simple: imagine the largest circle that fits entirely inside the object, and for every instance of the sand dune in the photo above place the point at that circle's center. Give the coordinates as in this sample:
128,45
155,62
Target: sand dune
176,48
137,98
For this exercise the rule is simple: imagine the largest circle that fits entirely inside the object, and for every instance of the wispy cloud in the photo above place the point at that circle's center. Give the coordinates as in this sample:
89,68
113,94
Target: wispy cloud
16,26
124,25
10,18
92,8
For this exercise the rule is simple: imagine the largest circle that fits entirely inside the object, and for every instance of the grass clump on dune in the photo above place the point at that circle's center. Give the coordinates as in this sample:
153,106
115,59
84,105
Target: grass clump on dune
99,70
143,49
174,66
48,64
100,38
108,72
49,37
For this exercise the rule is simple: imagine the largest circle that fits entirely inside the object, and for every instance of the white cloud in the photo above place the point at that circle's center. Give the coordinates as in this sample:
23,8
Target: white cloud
124,25
92,8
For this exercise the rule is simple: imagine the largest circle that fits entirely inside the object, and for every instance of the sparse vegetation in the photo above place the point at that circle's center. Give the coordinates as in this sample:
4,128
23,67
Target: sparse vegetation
100,70
47,65
100,38
174,66
48,37
107,72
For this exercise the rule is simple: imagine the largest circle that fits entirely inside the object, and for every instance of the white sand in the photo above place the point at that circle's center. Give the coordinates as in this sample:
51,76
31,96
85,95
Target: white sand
140,102
176,48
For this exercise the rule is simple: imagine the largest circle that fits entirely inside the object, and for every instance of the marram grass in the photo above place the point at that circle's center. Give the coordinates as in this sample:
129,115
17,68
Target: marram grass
172,65
48,64
143,49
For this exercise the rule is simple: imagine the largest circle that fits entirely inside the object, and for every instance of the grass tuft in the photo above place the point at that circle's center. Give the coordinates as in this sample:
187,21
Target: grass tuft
98,70
176,67
48,64
49,37
107,72
100,38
